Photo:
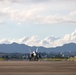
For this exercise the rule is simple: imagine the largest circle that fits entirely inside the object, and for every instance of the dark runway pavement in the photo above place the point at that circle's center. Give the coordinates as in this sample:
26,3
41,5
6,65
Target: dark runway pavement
37,68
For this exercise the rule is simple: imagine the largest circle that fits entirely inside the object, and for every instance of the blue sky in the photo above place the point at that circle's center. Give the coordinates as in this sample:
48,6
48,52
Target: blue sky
42,18
18,31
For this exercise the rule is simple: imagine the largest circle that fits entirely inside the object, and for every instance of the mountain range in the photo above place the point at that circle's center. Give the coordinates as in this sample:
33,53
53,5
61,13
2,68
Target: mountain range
22,48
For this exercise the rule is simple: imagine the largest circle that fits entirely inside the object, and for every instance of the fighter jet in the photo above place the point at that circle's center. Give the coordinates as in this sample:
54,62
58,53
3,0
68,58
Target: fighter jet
34,56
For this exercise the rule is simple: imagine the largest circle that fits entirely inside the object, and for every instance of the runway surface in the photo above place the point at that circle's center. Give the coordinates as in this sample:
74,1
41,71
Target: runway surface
37,68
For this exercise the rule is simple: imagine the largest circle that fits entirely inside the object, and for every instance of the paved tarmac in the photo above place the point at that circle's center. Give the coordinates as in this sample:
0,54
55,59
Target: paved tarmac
37,68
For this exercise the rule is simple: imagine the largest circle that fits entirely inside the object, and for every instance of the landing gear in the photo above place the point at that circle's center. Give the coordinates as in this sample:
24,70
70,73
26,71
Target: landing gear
34,58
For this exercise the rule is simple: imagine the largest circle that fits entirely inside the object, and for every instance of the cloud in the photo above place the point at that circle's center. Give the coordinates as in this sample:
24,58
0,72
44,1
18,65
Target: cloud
47,42
23,1
33,41
21,15
73,13
50,41
6,41
67,39
32,15
28,40
52,19
40,13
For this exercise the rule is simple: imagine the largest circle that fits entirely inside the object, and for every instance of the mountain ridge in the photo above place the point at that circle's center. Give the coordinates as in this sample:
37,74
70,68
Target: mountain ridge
22,48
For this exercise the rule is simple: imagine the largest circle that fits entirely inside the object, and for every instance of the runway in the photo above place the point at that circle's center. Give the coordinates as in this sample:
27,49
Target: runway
37,68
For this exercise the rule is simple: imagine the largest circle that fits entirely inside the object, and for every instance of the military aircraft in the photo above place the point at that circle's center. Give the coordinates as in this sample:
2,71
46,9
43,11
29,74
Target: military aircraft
34,56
